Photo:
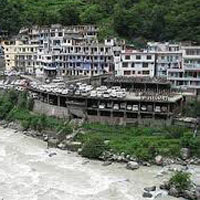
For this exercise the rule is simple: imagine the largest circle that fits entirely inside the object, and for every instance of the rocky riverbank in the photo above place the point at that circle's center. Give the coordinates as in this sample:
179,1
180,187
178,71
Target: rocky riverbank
68,142
57,140
192,192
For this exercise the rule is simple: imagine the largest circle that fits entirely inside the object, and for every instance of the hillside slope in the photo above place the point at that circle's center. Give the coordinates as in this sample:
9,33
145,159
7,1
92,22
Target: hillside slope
158,20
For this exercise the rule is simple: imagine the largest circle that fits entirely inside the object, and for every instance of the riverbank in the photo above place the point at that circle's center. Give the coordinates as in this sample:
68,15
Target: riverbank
29,170
145,146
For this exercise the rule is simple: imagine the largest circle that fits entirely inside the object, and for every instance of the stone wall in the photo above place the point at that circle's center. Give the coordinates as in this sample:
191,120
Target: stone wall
79,112
50,110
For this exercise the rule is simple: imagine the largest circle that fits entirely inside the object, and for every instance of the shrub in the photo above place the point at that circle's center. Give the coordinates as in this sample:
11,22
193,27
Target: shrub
193,143
93,147
180,180
25,124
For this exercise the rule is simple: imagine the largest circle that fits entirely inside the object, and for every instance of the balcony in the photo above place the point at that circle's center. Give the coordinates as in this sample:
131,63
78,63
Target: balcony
192,67
165,61
50,68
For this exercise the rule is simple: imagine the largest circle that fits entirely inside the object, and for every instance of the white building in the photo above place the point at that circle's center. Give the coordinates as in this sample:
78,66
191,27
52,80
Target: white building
72,50
136,63
188,75
167,56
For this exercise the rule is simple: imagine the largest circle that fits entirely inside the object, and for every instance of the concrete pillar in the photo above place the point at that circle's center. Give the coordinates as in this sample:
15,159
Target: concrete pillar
58,100
48,98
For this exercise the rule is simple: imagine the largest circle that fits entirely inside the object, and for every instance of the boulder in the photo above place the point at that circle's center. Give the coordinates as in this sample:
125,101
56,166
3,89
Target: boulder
173,192
132,165
72,146
52,143
45,138
52,154
185,153
165,186
159,160
62,146
147,195
107,163
79,150
150,189
197,193
5,126
3,122
146,164
188,194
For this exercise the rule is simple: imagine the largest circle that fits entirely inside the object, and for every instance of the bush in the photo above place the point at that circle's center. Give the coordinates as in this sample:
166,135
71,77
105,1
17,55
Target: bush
93,147
180,180
193,143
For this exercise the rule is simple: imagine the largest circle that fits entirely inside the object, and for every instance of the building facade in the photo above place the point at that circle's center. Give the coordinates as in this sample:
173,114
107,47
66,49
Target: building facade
188,75
72,50
136,63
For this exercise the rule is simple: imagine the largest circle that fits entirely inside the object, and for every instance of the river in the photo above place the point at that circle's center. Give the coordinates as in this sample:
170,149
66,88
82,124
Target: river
27,172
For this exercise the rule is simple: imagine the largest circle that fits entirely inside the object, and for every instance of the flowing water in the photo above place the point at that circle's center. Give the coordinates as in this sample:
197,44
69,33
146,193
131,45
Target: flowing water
27,172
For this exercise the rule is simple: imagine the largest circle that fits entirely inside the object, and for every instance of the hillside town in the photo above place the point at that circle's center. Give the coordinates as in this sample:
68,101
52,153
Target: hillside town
76,51
88,117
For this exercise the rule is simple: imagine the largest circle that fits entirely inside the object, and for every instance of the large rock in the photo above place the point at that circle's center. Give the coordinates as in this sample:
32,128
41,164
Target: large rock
197,193
173,192
159,160
187,194
3,122
185,153
72,146
132,165
147,195
150,189
53,143
165,186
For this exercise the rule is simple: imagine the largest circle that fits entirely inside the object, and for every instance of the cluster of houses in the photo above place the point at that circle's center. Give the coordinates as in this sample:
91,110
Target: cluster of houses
75,50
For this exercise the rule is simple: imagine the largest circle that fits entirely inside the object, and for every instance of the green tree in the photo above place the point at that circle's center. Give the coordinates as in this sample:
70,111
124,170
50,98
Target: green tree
92,15
69,14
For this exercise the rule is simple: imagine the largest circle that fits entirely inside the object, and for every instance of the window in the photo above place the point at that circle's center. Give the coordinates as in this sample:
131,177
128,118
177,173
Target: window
145,65
127,57
60,34
132,65
148,57
124,64
133,72
145,72
138,57
127,72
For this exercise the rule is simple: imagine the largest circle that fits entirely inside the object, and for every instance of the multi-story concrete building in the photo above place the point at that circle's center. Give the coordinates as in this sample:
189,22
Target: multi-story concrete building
19,55
188,75
136,63
72,50
168,56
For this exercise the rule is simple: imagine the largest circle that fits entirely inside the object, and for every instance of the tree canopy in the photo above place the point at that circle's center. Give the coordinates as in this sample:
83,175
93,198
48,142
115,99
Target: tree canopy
157,20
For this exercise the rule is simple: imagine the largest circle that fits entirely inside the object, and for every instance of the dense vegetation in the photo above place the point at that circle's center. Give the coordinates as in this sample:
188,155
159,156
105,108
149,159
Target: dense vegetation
181,180
17,106
134,20
143,143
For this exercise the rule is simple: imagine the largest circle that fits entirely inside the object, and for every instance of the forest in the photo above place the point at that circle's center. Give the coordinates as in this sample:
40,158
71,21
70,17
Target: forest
133,20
